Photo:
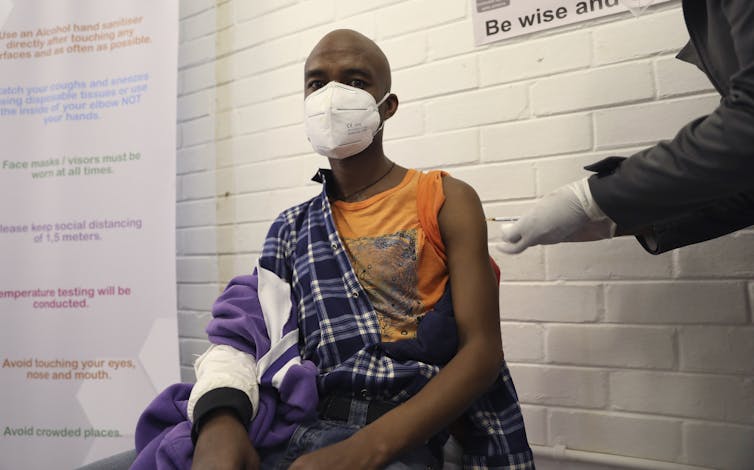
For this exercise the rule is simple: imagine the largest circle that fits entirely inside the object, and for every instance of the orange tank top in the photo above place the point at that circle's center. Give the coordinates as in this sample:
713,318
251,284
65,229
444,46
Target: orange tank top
393,242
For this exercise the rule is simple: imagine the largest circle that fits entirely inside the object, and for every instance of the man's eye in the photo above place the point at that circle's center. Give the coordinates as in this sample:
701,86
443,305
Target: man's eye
356,83
315,84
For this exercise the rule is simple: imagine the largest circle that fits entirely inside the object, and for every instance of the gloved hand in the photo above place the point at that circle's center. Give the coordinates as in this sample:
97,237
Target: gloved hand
568,214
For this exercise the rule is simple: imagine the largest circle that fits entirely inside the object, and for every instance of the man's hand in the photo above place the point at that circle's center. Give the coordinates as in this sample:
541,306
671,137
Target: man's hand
354,452
568,214
223,444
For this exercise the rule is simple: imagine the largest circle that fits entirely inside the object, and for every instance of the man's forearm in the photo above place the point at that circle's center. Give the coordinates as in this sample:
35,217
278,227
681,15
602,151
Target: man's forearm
223,443
467,376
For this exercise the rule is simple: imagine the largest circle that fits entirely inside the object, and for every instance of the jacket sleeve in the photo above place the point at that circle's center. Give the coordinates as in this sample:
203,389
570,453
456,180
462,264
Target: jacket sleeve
702,224
710,161
227,375
228,372
254,367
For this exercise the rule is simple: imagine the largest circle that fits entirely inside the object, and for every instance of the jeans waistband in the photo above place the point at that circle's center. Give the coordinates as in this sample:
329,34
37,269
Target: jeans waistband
352,410
360,412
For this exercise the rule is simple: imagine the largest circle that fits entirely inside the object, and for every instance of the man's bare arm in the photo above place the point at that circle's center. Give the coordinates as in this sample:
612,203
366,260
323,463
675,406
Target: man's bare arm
224,444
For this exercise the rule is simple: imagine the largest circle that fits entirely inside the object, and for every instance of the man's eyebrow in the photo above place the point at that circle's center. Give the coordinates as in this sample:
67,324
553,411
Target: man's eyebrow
358,71
349,71
313,73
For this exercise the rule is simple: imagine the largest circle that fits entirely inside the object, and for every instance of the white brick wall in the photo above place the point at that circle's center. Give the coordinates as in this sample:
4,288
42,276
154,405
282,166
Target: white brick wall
612,350
648,122
597,87
535,58
537,137
618,433
677,302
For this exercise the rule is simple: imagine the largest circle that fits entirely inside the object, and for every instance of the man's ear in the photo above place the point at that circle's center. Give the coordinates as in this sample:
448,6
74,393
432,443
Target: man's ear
390,107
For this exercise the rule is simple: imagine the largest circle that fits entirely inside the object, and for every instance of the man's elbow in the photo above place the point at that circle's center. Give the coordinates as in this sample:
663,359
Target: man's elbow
488,360
496,363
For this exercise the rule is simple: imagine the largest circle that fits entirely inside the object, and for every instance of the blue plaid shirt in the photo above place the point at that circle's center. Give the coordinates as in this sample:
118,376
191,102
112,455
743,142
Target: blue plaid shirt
339,332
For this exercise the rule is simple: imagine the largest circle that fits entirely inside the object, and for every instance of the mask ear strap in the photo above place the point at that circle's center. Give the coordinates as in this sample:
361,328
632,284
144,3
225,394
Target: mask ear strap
382,121
383,99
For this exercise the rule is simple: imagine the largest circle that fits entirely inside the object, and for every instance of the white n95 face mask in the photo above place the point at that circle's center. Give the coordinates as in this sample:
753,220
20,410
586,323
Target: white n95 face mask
341,120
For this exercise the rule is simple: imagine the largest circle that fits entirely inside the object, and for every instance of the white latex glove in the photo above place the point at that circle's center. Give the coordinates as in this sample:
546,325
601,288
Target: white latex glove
568,214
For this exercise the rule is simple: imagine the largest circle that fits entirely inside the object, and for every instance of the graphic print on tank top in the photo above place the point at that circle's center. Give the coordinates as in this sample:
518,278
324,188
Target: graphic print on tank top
386,266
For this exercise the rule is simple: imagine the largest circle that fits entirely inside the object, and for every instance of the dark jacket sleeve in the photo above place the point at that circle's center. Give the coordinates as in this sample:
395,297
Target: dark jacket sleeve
709,163
702,224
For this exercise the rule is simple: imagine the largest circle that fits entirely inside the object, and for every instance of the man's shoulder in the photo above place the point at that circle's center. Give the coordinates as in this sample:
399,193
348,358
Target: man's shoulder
440,185
448,180
461,200
455,188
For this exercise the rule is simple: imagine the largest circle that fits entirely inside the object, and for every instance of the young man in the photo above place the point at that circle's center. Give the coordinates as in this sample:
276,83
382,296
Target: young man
377,296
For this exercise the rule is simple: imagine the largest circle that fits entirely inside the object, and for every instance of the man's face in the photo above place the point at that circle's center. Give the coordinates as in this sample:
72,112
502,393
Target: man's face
349,59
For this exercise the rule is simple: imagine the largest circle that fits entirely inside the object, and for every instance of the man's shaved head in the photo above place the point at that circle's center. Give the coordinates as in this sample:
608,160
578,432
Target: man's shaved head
343,55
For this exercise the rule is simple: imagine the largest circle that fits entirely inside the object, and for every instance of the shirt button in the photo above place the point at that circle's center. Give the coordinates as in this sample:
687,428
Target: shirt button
334,246
364,393
355,294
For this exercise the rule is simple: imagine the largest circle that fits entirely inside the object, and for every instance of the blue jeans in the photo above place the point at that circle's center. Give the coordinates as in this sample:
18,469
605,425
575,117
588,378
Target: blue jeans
321,433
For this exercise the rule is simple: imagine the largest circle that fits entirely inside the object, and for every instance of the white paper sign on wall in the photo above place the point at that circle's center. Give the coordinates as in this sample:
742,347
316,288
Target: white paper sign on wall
496,20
